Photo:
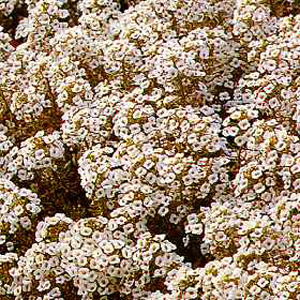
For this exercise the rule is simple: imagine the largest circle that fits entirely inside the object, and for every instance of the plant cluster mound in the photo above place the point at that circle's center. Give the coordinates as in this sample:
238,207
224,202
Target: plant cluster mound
149,150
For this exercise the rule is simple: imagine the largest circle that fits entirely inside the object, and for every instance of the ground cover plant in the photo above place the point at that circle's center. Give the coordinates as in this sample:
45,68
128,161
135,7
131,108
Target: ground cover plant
149,149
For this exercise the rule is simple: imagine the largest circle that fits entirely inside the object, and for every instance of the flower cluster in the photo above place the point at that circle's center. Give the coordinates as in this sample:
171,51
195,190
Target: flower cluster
89,256
149,149
19,210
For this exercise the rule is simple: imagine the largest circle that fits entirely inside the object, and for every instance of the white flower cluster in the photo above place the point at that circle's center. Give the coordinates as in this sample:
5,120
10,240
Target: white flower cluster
89,255
149,149
18,209
38,152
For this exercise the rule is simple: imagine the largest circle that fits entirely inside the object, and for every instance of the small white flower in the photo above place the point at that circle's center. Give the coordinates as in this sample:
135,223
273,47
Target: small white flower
293,286
244,242
220,236
268,243
244,124
174,219
114,259
39,154
84,273
287,160
270,65
56,152
191,293
234,116
192,218
107,247
239,140
170,177
160,261
63,13
197,229
77,88
262,282
44,19
126,252
81,261
256,174
25,222
167,246
140,172
163,211
255,290
159,273
264,295
204,53
295,168
273,102
286,94
269,88
86,231
280,145
18,210
102,261
204,248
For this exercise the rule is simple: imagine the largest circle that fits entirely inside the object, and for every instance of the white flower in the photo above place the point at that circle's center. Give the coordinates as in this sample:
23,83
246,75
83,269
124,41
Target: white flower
44,19
114,259
204,248
191,293
204,53
102,261
255,290
206,110
63,13
197,229
163,211
234,116
273,102
167,246
240,140
18,210
286,94
174,219
86,231
126,252
268,243
293,286
192,218
107,247
25,222
170,177
262,282
205,187
128,228
39,154
56,152
295,168
140,172
269,88
160,261
220,236
244,124
84,273
256,174
81,261
287,160
159,272
264,295
270,65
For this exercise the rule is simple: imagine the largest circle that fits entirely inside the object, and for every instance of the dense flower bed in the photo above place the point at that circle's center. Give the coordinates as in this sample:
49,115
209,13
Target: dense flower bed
149,149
